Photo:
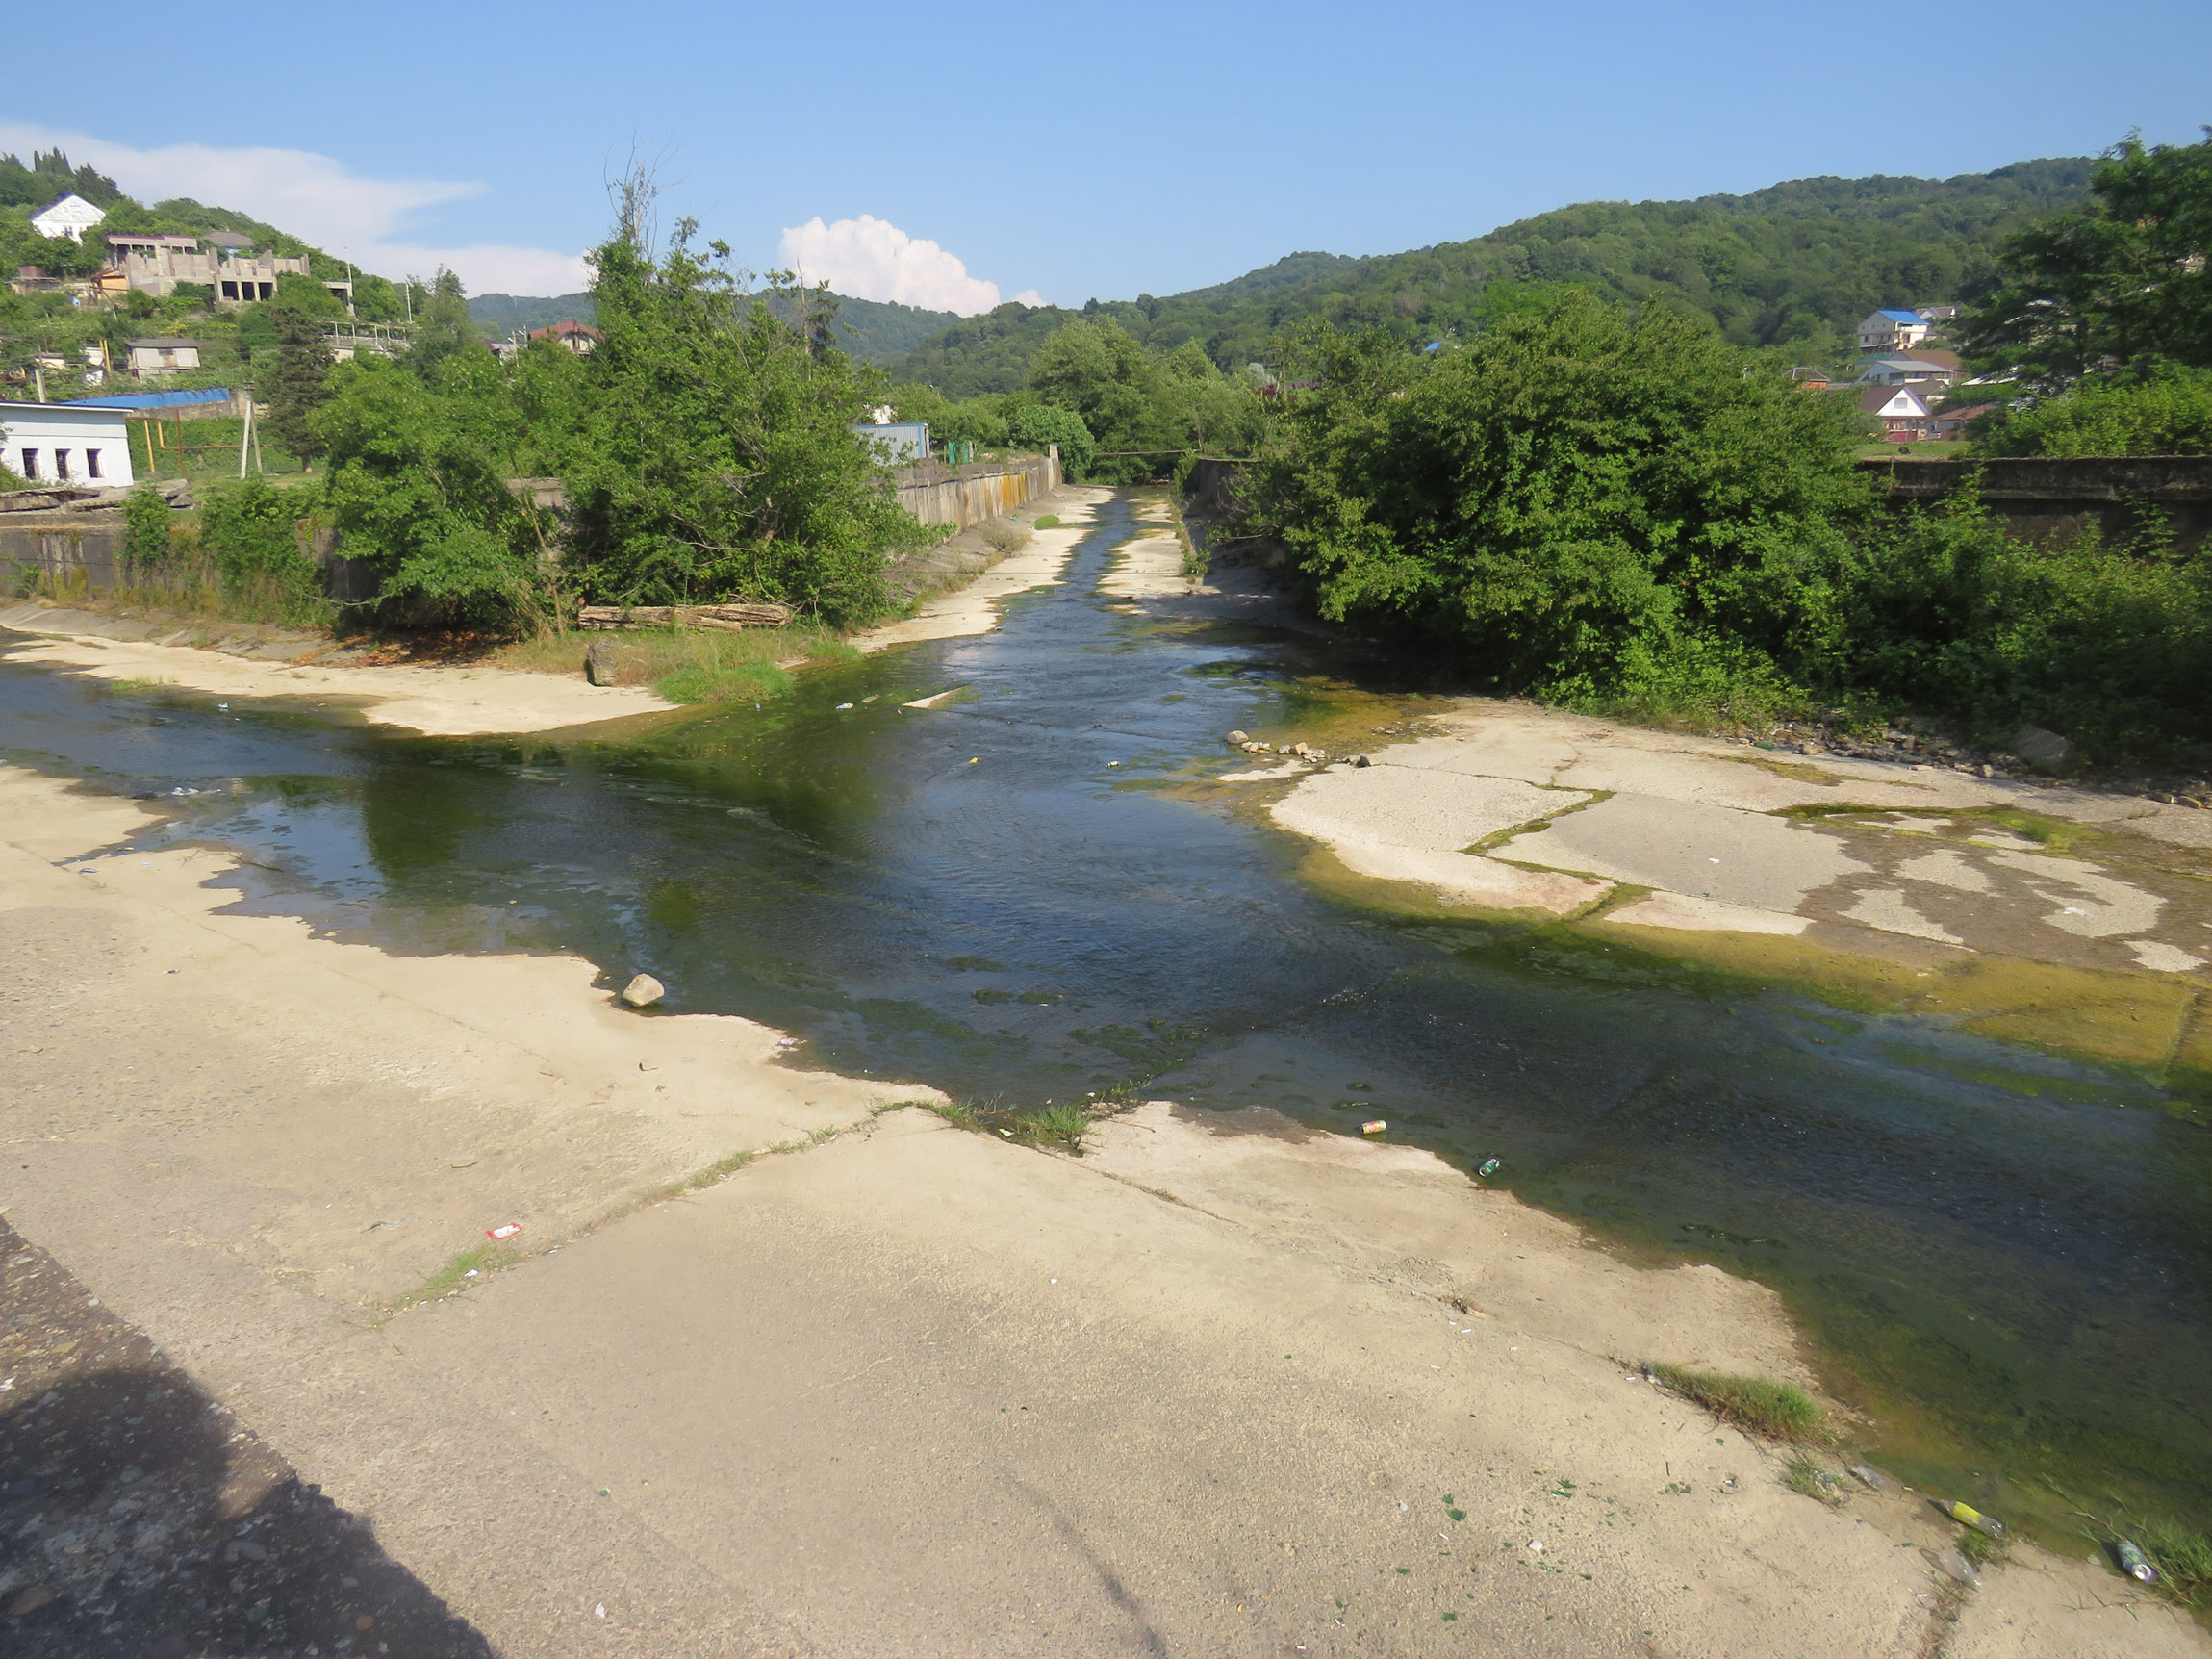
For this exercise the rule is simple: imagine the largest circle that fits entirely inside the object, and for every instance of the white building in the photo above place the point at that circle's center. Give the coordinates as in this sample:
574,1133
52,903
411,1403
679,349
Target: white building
65,444
72,216
1891,332
162,355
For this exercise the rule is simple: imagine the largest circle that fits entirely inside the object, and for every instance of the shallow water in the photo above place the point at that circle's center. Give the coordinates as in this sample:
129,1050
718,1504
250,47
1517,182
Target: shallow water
2003,1254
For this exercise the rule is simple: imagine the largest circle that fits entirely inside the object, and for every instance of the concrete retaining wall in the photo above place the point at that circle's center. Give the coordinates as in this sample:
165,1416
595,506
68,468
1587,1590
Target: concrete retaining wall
962,496
2043,498
65,550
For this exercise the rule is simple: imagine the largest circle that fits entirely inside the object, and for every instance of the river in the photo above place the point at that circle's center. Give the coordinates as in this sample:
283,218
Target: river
2001,1255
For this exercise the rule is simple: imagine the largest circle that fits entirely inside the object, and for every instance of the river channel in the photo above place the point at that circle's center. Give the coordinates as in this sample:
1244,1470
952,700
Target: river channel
2001,1255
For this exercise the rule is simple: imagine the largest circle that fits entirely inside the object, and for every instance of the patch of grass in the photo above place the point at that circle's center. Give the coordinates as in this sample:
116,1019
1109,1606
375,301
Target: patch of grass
1060,1125
138,686
686,665
1047,521
2183,1557
1005,538
1979,1547
483,1260
1759,1405
1813,1480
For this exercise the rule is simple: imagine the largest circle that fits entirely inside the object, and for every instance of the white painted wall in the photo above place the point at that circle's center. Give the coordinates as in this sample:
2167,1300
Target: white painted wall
92,444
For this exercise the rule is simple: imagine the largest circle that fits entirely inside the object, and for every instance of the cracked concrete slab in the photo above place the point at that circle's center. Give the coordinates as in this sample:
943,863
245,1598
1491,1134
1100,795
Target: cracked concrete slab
1702,851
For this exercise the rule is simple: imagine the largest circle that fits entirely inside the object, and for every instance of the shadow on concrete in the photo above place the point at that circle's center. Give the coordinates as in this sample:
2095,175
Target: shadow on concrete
139,1520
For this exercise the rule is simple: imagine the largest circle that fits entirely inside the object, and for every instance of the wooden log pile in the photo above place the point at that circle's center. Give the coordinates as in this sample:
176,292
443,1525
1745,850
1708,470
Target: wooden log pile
725,618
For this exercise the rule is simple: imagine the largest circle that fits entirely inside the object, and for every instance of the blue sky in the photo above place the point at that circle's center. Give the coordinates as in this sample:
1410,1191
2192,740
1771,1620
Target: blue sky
1065,151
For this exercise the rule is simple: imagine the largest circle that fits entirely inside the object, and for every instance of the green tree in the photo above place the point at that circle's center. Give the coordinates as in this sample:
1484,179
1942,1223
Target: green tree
441,326
296,383
1586,502
417,483
2162,412
2121,283
147,517
1034,425
717,459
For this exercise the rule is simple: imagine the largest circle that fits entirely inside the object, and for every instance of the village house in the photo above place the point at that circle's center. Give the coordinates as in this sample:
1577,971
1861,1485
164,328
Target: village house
222,261
1928,369
71,215
1902,412
163,355
570,336
1891,333
1953,419
65,444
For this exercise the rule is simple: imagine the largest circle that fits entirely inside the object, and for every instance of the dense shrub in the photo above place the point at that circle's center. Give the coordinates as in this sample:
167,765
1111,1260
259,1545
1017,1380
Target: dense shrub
250,530
2162,413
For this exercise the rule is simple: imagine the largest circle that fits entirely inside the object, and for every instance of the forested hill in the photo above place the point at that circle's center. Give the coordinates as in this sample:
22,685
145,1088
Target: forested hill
1796,264
873,331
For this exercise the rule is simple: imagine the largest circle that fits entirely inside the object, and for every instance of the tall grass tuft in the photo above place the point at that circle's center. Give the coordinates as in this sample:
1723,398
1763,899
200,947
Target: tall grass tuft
1759,1405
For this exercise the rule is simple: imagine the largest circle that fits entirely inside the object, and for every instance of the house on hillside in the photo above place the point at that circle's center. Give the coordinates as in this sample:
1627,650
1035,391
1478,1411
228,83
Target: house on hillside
570,336
1927,368
1887,333
222,261
65,444
1952,420
1902,412
71,215
163,355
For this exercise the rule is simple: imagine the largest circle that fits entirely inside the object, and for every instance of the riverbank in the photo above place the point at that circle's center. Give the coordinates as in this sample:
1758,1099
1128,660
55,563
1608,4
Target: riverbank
2063,917
529,689
1221,1384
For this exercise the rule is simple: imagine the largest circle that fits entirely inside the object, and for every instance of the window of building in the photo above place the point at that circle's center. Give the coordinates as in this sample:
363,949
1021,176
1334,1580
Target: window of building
91,462
30,463
61,462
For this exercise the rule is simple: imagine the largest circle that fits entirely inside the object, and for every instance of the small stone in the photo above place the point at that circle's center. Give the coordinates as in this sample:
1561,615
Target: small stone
1238,737
644,990
30,1601
2040,748
1864,1476
1362,760
1808,749
599,663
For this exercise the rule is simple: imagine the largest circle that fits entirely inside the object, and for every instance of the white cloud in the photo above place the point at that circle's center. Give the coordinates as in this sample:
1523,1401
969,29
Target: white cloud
316,198
1030,297
872,259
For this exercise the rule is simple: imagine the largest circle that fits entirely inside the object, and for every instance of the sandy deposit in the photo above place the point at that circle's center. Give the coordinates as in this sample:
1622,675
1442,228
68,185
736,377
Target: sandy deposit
973,609
1204,1389
438,701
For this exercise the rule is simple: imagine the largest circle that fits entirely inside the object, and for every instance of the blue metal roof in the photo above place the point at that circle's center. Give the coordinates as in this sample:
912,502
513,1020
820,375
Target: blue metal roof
1904,317
154,399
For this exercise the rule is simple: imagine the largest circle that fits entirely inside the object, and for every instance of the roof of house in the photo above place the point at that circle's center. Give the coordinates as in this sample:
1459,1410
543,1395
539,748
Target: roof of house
1941,359
63,200
162,342
1878,397
1902,316
227,239
1970,412
566,329
161,239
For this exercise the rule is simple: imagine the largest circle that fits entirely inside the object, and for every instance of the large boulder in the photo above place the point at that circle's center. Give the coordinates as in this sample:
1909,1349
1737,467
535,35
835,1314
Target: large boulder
642,991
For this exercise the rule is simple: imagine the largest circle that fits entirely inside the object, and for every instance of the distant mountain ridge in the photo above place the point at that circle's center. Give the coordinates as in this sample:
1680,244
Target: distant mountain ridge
874,331
1795,264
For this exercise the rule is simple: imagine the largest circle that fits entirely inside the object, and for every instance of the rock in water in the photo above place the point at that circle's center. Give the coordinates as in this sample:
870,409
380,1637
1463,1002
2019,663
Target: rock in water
644,989
599,663
2040,748
1240,739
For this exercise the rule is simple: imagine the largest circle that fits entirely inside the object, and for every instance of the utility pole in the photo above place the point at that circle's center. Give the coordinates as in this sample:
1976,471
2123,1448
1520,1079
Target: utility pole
246,435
